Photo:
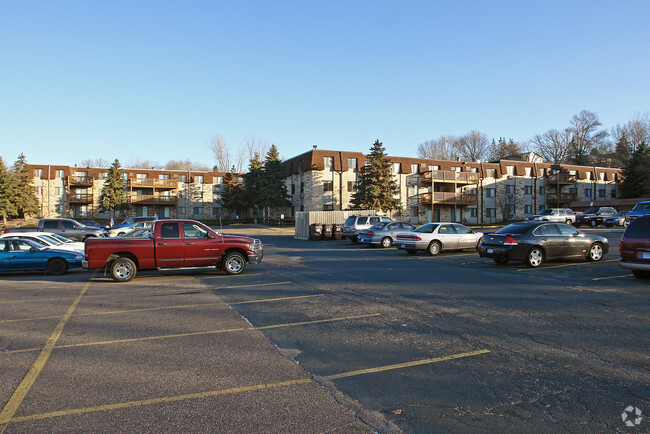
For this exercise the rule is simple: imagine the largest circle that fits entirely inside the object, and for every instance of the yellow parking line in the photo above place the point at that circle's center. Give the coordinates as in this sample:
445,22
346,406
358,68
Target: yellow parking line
234,390
25,385
115,312
612,277
208,332
565,265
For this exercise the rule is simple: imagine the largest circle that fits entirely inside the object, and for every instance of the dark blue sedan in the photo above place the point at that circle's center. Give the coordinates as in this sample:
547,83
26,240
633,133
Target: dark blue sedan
18,254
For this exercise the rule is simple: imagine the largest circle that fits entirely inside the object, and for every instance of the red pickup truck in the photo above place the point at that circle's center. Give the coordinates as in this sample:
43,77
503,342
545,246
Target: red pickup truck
172,244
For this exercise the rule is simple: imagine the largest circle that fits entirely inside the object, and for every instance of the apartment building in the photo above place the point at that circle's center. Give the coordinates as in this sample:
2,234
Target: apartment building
438,190
66,191
429,190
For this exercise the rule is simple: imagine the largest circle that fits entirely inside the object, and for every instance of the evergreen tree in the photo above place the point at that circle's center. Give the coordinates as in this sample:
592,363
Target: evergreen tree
114,195
232,197
253,181
622,151
7,206
273,192
376,188
24,194
636,175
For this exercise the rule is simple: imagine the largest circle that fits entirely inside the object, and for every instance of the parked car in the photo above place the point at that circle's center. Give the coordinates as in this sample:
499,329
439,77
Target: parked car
69,228
18,254
617,219
536,242
594,216
383,234
640,209
354,224
94,224
118,232
563,215
130,220
635,248
47,240
138,233
436,237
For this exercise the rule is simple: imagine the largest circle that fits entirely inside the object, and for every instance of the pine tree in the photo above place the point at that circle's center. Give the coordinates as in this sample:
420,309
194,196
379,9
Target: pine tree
273,192
636,175
114,195
24,193
7,206
376,188
232,197
253,182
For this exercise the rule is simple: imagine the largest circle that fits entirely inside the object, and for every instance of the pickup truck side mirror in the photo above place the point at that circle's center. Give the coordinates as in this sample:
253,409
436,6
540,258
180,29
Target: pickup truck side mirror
211,235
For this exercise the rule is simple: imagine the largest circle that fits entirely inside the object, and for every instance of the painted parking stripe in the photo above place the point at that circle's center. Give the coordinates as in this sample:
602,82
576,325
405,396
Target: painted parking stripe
243,389
566,265
27,382
116,312
208,332
613,277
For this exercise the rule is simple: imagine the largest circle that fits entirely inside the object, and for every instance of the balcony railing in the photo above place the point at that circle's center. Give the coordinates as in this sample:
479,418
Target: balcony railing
149,199
449,198
80,198
154,183
561,178
560,197
81,181
450,176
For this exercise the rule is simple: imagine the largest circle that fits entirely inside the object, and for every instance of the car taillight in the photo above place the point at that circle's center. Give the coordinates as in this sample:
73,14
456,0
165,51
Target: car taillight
354,228
510,241
480,240
371,234
409,237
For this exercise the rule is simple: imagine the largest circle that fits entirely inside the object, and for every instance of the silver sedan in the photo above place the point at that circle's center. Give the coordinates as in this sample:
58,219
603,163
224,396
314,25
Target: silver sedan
383,234
436,237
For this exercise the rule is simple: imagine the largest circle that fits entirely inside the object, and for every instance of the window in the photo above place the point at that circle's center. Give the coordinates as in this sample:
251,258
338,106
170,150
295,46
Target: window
602,176
59,174
491,173
328,207
415,168
529,171
58,191
454,169
588,176
198,179
613,194
181,211
352,164
182,178
198,211
528,209
169,230
489,192
39,190
460,229
328,186
51,224
601,192
510,189
396,167
542,191
490,212
329,163
472,212
65,224
352,186
510,170
142,175
218,180
293,188
38,173
192,230
528,190
164,176
587,192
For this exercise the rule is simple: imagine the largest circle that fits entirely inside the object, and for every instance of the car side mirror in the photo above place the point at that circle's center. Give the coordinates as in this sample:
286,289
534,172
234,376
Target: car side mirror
33,249
211,235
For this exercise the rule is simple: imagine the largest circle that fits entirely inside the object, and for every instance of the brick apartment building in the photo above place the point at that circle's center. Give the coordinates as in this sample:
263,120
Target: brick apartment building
325,180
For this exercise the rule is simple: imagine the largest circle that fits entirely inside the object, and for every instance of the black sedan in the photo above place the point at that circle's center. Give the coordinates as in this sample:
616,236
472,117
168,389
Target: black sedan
535,242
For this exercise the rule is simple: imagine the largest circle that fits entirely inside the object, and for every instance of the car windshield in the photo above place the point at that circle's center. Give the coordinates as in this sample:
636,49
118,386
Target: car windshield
49,240
639,228
60,238
642,206
350,221
515,228
591,211
546,212
378,226
427,229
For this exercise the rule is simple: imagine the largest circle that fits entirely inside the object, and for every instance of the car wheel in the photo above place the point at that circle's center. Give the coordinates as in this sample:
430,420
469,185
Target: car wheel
567,221
56,266
411,252
595,252
386,242
233,263
535,257
594,223
123,269
501,260
640,274
434,248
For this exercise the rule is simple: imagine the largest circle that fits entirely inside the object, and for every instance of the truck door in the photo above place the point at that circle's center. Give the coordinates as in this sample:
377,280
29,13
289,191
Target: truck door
200,248
169,245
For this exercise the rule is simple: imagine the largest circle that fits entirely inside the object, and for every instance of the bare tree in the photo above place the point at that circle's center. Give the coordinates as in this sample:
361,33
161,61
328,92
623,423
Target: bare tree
137,163
185,165
255,146
224,157
441,148
473,146
94,162
586,136
553,145
634,131
509,150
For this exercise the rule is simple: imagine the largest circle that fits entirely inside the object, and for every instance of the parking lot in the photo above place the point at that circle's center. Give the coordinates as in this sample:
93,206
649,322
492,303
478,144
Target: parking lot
328,336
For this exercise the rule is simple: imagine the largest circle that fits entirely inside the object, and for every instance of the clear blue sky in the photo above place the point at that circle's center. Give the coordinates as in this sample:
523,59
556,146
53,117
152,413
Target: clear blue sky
156,80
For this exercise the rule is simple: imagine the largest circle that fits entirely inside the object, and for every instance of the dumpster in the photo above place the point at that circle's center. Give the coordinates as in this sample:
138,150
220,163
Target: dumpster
327,232
315,231
337,231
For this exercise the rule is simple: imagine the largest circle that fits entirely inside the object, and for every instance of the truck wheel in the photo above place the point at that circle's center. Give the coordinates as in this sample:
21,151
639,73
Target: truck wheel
56,266
123,269
233,263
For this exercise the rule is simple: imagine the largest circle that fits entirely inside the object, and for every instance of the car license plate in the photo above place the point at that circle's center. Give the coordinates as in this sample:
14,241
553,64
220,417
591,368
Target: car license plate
403,246
646,255
490,250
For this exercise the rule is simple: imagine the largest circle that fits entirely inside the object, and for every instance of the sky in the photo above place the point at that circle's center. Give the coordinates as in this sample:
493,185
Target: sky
157,80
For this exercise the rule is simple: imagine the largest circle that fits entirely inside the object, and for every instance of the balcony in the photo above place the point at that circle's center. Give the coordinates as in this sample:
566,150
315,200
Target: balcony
560,197
154,183
449,198
450,176
80,181
80,198
561,178
150,199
